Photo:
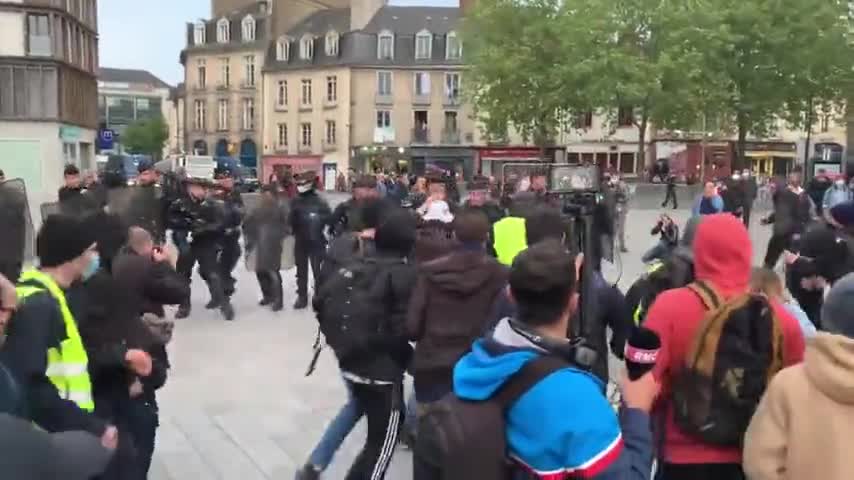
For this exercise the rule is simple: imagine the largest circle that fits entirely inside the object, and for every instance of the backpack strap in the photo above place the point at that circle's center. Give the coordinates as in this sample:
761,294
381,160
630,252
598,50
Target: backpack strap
711,299
529,375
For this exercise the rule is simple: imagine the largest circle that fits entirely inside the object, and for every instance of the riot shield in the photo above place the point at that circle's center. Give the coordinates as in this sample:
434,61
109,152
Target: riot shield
79,204
17,243
140,206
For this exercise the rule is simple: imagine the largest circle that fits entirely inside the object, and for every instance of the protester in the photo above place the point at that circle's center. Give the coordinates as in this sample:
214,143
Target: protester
73,184
509,234
722,259
793,211
418,193
817,187
709,202
479,199
669,232
265,229
800,429
347,215
592,442
766,282
10,394
836,194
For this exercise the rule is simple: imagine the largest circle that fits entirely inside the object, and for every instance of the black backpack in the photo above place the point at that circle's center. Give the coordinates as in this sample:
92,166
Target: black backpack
463,440
351,306
735,353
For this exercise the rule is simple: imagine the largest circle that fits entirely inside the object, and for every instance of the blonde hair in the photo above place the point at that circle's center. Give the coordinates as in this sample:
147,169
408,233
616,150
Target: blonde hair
766,281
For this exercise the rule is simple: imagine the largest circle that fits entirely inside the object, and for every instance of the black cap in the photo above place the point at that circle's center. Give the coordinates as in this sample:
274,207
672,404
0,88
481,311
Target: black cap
306,177
145,165
71,169
223,172
63,238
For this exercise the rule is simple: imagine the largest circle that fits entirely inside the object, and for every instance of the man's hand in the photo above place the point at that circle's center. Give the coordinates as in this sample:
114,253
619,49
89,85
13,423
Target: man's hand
641,393
158,255
790,257
139,362
110,438
135,389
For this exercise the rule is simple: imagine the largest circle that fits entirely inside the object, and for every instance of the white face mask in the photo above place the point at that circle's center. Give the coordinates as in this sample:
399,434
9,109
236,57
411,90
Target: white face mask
303,188
840,183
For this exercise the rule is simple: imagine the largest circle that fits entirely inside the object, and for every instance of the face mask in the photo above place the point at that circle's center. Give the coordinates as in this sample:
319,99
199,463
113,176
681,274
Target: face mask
91,268
840,183
303,188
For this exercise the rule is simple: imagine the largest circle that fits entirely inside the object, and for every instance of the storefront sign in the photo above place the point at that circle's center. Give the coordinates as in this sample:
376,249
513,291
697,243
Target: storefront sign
510,153
69,134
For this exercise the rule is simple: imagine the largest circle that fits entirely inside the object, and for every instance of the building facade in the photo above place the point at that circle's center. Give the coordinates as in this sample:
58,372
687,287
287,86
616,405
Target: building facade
177,119
48,90
128,96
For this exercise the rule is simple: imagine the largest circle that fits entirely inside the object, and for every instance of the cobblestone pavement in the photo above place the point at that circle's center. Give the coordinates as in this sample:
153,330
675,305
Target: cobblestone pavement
237,405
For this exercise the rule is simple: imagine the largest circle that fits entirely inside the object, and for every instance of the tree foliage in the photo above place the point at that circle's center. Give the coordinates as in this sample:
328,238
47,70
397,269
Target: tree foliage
146,137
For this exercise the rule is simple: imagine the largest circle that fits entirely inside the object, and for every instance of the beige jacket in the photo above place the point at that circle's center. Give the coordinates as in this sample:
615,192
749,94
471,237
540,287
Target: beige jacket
804,426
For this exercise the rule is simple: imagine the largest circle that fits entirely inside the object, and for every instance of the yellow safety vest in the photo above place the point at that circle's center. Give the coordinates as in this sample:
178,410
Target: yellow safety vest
509,239
654,266
68,365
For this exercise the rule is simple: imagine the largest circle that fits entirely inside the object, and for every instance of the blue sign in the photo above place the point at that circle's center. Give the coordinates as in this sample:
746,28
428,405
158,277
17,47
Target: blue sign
106,139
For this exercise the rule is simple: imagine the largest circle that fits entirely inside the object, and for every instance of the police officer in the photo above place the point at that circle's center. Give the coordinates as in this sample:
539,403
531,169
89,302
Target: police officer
234,210
309,216
179,219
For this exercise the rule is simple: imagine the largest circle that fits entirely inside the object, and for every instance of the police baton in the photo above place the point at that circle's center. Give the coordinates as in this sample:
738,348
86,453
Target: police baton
317,347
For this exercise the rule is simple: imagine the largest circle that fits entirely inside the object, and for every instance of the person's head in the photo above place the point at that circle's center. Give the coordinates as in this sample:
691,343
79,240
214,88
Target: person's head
736,176
839,182
543,286
471,226
544,223
270,193
305,181
140,241
538,182
197,190
723,252
745,173
794,179
437,190
71,174
147,174
8,303
421,185
836,316
709,189
395,233
478,191
66,247
224,178
111,234
765,281
365,187
821,173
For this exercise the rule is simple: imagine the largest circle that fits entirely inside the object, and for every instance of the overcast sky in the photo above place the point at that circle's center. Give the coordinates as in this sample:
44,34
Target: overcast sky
149,35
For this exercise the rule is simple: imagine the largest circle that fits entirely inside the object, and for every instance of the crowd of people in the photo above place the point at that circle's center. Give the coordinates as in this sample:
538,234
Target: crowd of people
476,301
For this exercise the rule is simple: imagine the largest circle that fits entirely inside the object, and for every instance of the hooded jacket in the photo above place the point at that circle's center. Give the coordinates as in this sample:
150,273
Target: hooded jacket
722,257
563,427
787,440
449,309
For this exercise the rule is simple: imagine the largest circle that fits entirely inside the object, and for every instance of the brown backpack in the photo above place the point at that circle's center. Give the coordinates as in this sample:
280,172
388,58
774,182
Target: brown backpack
734,355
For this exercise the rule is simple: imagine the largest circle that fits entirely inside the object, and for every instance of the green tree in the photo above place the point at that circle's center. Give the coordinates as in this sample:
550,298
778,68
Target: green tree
146,137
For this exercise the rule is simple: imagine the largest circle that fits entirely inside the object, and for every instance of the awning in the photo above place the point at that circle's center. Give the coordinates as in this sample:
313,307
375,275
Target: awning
769,154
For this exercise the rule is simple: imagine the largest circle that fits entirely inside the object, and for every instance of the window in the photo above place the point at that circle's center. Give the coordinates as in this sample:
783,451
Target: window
29,92
422,84
383,118
331,89
423,45
201,67
200,114
330,132
305,138
383,83
283,49
38,34
282,137
282,93
453,47
825,123
332,44
223,31
584,120
199,34
249,73
248,114
306,48
626,116
452,85
451,121
225,72
305,98
222,115
248,27
385,45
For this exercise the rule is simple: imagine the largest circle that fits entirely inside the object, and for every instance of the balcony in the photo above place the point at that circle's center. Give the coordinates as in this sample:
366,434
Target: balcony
451,136
329,146
304,148
281,107
305,107
222,87
384,99
246,85
329,103
453,100
384,135
200,87
420,135
421,100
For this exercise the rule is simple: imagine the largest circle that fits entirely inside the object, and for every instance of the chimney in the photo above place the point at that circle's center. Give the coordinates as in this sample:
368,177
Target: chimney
362,11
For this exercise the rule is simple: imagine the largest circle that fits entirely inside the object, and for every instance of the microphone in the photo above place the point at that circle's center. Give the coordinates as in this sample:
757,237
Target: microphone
641,352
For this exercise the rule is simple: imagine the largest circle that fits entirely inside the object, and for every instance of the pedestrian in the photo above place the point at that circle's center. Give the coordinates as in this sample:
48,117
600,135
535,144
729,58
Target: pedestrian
793,211
670,193
265,230
708,202
836,194
786,440
309,217
750,190
230,248
621,204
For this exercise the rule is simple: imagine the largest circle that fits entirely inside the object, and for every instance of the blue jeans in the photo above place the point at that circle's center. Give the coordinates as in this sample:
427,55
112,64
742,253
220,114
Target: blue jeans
658,252
336,432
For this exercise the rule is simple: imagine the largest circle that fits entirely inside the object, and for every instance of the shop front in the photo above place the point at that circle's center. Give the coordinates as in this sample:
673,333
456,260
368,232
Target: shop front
443,161
380,158
283,165
770,158
491,161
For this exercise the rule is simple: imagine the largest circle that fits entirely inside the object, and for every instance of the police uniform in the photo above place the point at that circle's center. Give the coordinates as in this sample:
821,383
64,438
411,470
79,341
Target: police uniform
309,216
230,248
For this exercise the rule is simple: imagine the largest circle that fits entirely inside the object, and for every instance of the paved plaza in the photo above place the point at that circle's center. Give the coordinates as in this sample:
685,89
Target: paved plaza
237,405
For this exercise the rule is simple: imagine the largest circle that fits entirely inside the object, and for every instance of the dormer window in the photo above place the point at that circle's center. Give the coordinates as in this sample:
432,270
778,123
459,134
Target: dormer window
248,28
283,49
306,47
385,45
423,45
332,44
199,33
223,31
453,47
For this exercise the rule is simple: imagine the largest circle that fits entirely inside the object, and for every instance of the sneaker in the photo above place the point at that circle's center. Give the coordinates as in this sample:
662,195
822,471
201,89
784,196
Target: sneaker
277,306
227,311
301,303
308,472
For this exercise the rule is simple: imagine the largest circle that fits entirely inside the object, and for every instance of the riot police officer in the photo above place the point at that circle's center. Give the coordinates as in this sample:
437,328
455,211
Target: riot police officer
309,216
234,211
179,220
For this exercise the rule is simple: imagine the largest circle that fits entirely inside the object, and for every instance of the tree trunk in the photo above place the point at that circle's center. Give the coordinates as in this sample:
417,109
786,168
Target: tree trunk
741,160
642,140
808,126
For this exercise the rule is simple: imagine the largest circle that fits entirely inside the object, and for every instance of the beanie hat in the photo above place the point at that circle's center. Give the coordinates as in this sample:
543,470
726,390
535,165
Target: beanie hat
396,233
843,214
61,239
836,316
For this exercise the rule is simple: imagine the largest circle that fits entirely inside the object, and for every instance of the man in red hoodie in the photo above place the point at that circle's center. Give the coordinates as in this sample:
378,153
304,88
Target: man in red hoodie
722,258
